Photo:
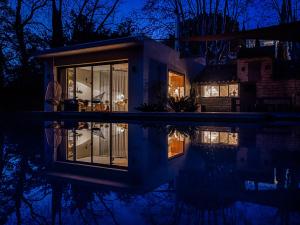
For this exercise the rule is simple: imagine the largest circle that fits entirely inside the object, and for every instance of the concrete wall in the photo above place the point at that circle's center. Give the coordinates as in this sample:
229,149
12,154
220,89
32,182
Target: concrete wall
218,104
159,59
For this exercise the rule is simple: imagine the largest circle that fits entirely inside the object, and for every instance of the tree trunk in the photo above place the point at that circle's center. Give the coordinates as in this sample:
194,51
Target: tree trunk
19,30
57,28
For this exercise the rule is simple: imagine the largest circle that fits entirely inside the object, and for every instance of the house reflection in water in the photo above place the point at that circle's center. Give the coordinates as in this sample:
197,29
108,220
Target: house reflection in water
97,143
215,169
217,136
116,152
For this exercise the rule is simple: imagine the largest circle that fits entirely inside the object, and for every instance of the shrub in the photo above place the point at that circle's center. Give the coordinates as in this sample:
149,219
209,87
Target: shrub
183,104
145,107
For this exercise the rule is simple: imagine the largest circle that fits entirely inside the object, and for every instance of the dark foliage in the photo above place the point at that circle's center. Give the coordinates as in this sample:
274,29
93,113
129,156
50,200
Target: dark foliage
145,107
83,30
183,104
186,131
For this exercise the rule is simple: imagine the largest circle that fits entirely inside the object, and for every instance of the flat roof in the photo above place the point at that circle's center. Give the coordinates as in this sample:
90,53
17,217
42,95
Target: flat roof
96,46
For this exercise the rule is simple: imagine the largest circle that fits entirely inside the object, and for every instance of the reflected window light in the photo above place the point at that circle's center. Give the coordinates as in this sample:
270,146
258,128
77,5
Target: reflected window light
206,137
175,144
215,137
97,143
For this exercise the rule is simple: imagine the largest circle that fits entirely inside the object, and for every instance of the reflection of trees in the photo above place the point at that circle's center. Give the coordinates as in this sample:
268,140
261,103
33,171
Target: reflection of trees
20,174
88,204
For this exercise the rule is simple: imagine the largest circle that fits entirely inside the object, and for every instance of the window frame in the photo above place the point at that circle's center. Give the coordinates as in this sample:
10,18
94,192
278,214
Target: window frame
110,63
202,86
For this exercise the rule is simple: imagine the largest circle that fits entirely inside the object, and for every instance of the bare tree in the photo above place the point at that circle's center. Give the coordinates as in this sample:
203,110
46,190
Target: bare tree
20,23
197,17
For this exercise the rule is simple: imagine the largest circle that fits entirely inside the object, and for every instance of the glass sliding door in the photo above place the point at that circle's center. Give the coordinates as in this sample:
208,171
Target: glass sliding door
120,87
84,88
97,88
101,88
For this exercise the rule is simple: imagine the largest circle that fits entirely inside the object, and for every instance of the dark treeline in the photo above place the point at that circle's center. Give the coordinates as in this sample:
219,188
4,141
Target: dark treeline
28,26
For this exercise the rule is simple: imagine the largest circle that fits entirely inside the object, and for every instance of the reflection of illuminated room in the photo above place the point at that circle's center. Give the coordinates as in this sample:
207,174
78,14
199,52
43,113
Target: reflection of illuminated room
175,144
176,85
105,144
215,137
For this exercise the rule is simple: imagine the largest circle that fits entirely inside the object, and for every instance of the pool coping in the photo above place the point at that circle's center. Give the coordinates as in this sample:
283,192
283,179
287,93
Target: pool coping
158,116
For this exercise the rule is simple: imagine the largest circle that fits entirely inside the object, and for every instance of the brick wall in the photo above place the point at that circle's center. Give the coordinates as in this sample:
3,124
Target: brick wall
216,104
266,85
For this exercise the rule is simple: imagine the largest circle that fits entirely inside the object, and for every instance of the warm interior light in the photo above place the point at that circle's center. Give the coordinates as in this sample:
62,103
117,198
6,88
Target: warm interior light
175,144
176,85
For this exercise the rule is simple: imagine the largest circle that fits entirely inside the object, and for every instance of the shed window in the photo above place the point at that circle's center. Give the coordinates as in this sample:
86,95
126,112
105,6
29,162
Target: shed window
233,90
223,90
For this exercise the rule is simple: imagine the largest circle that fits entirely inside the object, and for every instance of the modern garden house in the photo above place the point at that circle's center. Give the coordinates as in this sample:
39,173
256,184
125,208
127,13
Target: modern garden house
113,75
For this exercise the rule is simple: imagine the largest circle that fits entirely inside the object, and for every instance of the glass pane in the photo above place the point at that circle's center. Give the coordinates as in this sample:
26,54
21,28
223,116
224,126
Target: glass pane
83,145
223,90
120,87
234,90
206,90
119,145
84,87
214,91
176,85
70,82
101,143
101,88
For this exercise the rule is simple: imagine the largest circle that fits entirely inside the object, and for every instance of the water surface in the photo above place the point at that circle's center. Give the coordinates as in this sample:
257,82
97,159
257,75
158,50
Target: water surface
71,172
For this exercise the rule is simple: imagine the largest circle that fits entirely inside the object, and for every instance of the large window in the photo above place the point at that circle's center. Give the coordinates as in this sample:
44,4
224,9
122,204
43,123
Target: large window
176,85
223,90
97,87
98,143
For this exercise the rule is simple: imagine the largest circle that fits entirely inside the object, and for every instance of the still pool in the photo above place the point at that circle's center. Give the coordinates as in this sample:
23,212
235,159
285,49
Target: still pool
97,172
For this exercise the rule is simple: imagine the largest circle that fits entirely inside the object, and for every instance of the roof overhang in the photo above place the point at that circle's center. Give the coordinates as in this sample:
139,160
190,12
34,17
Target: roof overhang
106,45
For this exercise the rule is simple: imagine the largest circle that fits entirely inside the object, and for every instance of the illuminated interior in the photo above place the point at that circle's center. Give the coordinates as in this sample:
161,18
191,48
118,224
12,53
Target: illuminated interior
222,90
175,144
97,88
99,143
176,85
216,137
